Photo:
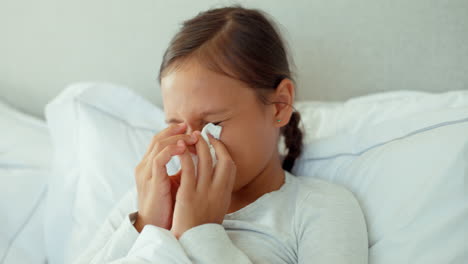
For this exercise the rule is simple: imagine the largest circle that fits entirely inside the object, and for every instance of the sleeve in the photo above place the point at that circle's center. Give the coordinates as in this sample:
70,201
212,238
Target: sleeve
209,243
331,228
118,242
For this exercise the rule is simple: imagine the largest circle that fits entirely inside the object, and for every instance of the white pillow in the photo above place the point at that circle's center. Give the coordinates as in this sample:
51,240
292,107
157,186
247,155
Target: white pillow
100,132
326,119
24,168
409,174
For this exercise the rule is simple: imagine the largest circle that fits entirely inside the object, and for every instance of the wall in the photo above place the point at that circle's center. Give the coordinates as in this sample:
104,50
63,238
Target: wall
341,48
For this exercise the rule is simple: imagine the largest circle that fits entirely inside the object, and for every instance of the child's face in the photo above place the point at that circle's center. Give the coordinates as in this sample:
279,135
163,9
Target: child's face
248,131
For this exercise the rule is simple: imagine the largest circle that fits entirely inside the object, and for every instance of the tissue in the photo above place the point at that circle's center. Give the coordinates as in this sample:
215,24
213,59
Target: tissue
174,164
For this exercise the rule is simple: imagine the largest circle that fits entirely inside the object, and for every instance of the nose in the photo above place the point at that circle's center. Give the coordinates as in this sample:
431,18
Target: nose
190,130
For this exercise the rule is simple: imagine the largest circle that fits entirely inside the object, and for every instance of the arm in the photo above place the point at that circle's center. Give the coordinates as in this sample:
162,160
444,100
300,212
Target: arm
155,244
202,201
331,229
118,242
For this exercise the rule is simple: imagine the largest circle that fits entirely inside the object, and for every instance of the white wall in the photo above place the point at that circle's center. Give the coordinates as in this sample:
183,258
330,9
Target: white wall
342,48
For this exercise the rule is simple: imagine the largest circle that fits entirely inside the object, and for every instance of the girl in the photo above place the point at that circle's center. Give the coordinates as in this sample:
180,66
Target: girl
229,66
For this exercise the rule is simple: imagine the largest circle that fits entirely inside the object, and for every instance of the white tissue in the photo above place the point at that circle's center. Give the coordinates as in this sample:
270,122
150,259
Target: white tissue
174,164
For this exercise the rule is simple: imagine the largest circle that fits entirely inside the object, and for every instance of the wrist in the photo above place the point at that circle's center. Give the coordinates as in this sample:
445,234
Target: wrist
138,224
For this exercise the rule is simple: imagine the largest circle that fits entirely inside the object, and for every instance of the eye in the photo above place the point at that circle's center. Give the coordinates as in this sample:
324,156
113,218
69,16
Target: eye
217,123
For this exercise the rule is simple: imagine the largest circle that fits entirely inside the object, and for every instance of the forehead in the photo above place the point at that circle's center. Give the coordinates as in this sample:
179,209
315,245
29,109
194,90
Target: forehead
194,89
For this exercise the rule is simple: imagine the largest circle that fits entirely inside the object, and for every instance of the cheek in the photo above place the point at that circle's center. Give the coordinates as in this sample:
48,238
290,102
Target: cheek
251,146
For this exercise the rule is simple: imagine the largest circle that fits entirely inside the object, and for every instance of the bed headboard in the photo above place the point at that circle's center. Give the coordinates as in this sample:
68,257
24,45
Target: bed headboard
341,48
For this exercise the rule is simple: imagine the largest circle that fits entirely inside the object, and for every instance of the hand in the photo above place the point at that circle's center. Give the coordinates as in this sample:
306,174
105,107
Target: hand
156,189
204,199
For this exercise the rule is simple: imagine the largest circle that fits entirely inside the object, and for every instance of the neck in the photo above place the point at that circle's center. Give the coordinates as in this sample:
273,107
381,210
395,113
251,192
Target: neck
271,178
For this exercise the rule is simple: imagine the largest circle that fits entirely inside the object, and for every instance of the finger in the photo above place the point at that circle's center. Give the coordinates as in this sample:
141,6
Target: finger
205,162
139,172
187,180
224,175
158,169
172,140
220,149
175,183
232,178
225,167
167,132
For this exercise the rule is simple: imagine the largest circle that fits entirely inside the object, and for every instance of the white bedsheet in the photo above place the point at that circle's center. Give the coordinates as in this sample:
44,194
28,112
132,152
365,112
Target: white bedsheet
25,153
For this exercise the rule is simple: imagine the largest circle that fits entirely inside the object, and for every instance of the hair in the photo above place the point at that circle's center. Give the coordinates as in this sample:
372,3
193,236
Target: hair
242,44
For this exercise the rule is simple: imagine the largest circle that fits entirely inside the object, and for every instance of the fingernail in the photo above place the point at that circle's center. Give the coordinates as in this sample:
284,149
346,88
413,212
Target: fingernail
180,143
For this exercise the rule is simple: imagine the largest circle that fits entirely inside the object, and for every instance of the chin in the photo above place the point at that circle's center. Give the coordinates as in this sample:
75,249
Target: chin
241,182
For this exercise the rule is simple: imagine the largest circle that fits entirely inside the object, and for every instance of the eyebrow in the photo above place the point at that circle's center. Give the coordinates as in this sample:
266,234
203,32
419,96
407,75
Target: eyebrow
204,113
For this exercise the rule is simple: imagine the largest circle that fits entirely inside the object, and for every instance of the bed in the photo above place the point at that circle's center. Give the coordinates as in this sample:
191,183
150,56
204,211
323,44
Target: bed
382,89
404,155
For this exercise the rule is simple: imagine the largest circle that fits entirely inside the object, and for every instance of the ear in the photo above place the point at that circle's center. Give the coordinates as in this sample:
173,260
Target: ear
283,98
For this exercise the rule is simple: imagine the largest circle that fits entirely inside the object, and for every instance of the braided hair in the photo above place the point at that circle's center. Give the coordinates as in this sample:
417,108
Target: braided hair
293,137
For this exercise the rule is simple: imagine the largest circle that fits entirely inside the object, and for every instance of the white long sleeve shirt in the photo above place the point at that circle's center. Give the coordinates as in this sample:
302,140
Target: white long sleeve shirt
306,221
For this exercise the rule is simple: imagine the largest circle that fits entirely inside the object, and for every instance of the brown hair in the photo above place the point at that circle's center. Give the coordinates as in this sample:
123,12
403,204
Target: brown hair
243,44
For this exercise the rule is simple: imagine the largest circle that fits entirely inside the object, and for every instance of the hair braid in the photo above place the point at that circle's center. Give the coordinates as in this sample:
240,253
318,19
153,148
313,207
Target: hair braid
293,140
